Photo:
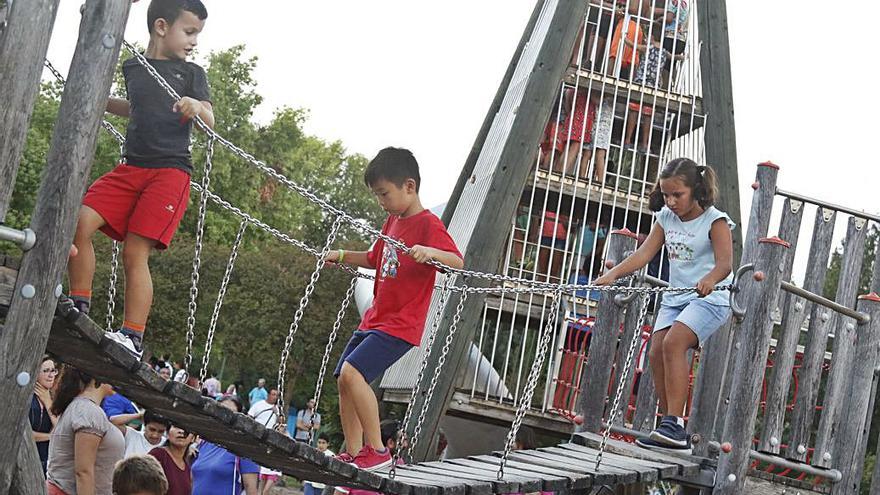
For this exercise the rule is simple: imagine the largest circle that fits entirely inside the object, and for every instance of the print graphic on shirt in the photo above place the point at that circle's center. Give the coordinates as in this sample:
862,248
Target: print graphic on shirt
676,246
390,263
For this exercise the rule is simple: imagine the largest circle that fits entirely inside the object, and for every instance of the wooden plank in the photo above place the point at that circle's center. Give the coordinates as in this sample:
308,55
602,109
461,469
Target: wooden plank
54,218
524,483
604,476
833,407
687,465
539,462
27,478
496,186
813,358
22,49
589,456
454,472
751,355
793,315
576,481
663,469
530,481
631,329
449,486
7,284
857,424
596,372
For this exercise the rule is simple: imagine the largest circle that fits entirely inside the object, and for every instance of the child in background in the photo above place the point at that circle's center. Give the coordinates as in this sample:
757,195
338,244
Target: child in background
139,475
622,58
699,245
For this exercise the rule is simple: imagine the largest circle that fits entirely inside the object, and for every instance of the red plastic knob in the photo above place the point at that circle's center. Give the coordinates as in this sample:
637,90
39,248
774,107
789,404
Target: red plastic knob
726,447
756,185
759,276
610,264
578,420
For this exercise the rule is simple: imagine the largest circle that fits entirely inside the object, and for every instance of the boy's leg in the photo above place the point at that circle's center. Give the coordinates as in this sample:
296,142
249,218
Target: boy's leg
363,401
676,367
351,425
658,373
599,170
585,163
138,284
81,268
631,125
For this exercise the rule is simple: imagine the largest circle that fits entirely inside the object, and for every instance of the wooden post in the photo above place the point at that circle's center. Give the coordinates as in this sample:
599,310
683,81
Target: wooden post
810,373
27,479
793,315
64,180
750,360
596,373
718,105
631,328
713,381
646,398
499,176
23,47
844,346
856,426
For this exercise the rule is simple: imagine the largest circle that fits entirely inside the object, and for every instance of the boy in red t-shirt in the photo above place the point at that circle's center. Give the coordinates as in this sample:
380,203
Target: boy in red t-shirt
142,200
401,296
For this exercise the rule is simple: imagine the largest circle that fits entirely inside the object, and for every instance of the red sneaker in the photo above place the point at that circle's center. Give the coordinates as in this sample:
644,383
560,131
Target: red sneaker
369,459
344,457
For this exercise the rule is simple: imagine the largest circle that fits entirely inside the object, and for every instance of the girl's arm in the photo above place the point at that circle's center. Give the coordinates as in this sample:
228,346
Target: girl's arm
722,246
356,258
85,450
637,260
250,482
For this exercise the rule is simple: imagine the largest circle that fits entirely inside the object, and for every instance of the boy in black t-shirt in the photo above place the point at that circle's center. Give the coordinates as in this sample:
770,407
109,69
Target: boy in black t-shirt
142,200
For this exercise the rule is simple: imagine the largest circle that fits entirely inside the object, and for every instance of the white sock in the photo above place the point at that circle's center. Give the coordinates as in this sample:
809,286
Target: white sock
680,421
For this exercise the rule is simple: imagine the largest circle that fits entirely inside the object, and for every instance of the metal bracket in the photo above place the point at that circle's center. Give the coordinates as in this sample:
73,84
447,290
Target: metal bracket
25,239
738,311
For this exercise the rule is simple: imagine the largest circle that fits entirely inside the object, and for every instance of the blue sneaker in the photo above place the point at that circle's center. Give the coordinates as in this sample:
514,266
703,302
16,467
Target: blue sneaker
671,433
650,444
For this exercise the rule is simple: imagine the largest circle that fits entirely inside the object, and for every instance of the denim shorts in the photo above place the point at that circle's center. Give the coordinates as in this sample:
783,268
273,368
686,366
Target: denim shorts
703,318
371,352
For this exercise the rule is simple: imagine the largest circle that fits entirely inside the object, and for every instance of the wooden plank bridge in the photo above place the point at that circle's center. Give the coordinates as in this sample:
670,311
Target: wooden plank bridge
76,340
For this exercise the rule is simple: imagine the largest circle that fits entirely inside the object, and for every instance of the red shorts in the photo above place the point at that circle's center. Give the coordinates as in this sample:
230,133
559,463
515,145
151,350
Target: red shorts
149,202
646,110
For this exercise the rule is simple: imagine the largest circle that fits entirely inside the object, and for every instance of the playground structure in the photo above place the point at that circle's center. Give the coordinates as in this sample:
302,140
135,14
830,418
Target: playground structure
727,398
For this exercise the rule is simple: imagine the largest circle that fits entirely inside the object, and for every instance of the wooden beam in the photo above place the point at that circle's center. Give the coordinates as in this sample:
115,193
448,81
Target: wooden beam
54,218
499,177
27,479
23,45
750,361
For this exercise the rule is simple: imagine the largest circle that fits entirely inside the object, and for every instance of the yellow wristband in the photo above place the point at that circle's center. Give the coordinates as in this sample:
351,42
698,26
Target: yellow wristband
341,255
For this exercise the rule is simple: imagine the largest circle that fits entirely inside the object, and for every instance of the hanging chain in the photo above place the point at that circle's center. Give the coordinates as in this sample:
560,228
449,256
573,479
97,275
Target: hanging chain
532,382
221,294
403,450
111,289
621,384
197,257
319,386
441,360
303,302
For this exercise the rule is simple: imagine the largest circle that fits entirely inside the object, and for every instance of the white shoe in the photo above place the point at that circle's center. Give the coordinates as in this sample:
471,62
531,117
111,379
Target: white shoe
124,341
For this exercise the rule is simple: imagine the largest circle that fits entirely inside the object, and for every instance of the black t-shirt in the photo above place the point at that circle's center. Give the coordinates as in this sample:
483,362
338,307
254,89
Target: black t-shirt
156,137
41,423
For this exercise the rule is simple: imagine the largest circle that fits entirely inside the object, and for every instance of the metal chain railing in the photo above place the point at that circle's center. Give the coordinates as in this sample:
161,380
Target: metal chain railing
221,295
325,360
403,449
303,302
441,361
532,381
111,286
624,373
197,258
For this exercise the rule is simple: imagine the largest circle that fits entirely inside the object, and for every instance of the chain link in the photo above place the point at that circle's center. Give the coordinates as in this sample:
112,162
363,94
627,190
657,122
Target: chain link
403,446
197,258
621,384
319,386
221,294
111,289
532,382
303,302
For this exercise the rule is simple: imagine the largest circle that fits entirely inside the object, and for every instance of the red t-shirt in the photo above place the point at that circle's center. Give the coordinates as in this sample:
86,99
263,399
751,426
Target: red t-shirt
179,480
403,288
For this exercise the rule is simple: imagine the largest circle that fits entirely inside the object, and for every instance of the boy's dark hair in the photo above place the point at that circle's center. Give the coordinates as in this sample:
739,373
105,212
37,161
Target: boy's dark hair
388,429
701,179
139,474
323,436
525,437
234,399
395,165
170,10
151,417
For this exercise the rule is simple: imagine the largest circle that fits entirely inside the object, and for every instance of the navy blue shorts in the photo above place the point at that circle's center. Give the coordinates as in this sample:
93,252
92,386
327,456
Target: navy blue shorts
371,352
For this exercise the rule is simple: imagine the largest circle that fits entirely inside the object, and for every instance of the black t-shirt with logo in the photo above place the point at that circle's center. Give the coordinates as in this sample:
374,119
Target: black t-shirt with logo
157,137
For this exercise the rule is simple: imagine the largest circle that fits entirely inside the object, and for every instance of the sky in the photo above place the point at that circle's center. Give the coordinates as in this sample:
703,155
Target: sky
422,75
